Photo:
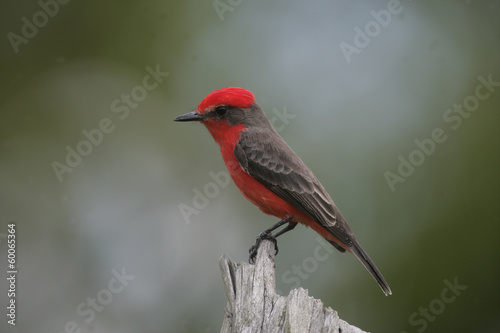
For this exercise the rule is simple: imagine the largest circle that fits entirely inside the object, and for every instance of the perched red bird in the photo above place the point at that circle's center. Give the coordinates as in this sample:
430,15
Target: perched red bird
269,173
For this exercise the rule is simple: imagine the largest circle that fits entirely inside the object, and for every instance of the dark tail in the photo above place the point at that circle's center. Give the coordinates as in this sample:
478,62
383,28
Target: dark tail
365,259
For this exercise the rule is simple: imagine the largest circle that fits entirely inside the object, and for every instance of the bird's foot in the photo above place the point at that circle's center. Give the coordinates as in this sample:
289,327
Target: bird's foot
263,235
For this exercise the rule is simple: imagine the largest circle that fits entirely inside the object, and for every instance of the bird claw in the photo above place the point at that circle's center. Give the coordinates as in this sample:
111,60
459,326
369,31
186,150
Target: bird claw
253,250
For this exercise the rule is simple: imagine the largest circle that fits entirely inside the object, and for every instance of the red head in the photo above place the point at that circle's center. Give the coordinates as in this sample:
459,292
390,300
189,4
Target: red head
230,96
226,112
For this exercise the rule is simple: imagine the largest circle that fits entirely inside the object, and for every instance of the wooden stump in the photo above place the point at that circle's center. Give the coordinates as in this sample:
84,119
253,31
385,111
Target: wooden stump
254,306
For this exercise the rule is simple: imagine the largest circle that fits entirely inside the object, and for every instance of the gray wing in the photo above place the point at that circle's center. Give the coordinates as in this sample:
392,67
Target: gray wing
266,157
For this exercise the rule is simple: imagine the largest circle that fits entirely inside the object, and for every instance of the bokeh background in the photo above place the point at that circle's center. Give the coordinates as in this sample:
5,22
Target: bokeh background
350,118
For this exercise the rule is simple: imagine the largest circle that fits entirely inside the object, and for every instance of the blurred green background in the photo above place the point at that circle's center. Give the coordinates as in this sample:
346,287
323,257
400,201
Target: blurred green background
351,119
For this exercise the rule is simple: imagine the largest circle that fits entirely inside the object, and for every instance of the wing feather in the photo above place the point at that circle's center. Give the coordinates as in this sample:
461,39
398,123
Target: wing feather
274,164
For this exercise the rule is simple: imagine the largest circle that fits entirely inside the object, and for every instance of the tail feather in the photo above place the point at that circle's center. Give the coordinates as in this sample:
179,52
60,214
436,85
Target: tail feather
365,259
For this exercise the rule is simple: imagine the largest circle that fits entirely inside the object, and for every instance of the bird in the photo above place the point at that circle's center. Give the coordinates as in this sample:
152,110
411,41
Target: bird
271,175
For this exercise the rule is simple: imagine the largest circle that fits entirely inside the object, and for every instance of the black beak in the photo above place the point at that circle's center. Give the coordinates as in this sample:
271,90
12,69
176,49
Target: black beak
191,116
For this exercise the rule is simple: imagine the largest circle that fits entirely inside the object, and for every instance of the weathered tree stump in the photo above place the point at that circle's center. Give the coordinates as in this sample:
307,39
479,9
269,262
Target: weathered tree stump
254,306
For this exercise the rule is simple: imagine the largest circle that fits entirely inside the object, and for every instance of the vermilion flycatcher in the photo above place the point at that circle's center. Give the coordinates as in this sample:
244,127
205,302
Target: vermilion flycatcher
269,173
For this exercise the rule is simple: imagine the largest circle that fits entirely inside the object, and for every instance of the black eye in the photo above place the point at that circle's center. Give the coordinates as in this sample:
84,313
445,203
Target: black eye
221,110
